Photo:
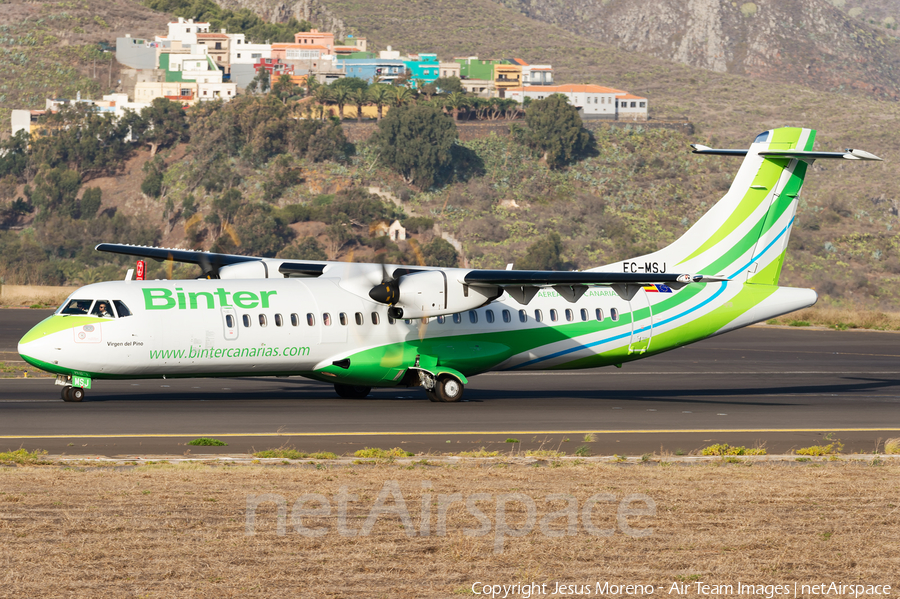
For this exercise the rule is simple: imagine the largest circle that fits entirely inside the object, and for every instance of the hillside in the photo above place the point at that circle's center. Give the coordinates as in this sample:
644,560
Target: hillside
51,49
808,42
639,192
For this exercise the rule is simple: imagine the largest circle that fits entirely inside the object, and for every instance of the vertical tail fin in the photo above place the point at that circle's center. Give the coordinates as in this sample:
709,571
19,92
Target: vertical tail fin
744,236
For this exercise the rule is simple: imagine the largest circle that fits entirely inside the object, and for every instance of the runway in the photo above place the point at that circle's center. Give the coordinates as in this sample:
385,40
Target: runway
781,388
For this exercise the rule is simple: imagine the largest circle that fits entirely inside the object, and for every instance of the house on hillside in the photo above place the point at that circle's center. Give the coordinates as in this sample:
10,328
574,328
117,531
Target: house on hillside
592,101
387,70
423,68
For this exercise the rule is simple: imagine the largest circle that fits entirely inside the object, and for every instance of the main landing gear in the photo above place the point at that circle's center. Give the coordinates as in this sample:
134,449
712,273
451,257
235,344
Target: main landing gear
70,393
446,389
352,391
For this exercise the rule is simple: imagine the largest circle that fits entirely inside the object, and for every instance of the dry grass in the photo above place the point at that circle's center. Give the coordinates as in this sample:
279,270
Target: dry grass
841,319
167,531
34,295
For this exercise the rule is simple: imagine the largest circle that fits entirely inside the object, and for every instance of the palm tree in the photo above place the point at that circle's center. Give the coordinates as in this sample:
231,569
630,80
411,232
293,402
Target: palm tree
379,96
340,95
360,97
402,95
457,101
322,94
311,84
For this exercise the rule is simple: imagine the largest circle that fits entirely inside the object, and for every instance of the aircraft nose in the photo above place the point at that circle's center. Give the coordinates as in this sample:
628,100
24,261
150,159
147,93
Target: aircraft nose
36,346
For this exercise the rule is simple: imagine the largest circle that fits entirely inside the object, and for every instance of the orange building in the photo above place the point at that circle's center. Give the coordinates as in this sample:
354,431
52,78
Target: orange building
315,38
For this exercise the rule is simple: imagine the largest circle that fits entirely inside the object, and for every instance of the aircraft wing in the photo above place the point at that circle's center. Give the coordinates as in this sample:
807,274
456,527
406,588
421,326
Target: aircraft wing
524,284
208,261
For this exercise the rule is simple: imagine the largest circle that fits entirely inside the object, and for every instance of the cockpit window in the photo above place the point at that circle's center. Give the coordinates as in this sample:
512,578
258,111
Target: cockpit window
76,307
103,309
121,309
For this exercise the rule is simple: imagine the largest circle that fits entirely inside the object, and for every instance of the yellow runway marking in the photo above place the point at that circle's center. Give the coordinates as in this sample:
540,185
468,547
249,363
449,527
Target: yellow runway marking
438,433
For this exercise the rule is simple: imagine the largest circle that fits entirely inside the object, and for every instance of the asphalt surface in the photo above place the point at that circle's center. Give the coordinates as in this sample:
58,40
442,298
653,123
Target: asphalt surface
778,387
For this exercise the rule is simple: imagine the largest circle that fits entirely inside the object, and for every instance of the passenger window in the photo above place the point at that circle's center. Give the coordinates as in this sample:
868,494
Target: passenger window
246,319
262,320
375,318
229,321
279,321
391,319
489,315
343,317
77,307
600,314
441,319
584,315
507,317
408,321
553,315
359,318
614,313
457,318
326,319
295,320
310,319
103,309
473,316
121,309
538,315
523,317
570,316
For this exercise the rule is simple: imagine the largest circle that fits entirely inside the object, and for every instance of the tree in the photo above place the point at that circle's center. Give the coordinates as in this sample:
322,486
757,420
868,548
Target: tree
545,254
261,231
457,101
285,88
54,192
401,95
90,202
340,96
359,97
448,85
380,95
555,130
166,124
261,81
322,94
440,253
307,249
428,89
416,142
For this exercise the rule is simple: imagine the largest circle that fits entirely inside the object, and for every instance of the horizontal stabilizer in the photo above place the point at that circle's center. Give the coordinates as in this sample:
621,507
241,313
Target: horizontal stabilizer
849,154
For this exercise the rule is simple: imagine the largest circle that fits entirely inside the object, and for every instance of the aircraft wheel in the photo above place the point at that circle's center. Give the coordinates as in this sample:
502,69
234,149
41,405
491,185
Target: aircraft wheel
73,394
352,391
64,393
446,389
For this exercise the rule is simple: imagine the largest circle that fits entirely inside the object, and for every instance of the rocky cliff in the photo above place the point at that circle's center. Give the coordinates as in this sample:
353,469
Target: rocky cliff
278,11
810,42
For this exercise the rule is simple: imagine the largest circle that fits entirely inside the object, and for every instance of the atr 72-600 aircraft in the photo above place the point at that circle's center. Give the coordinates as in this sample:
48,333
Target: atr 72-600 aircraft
360,326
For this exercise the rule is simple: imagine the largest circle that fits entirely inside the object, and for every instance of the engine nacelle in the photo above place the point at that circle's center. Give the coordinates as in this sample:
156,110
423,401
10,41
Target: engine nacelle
431,293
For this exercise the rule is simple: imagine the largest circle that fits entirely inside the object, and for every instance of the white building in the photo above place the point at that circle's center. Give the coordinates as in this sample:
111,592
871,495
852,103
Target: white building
537,74
243,52
185,31
592,101
632,107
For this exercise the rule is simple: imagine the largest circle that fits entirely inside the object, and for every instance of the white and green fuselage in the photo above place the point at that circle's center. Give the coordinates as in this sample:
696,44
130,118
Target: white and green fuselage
255,321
